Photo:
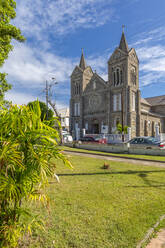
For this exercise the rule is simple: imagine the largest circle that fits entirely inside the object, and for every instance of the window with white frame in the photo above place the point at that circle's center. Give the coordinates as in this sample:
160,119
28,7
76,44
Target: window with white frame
76,125
114,102
117,102
77,109
133,101
86,125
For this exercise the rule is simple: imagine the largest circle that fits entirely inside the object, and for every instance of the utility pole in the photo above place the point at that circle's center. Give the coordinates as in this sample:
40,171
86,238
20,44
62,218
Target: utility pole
48,90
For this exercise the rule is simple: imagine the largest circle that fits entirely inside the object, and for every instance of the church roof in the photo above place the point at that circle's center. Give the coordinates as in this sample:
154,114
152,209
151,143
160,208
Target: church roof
123,43
144,111
100,78
156,100
82,64
145,102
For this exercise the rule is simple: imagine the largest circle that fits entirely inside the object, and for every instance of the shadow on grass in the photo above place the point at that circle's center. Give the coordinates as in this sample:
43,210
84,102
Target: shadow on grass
142,174
147,182
128,172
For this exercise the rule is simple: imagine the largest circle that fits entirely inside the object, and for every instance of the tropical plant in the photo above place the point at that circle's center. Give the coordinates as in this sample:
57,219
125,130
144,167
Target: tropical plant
121,129
46,113
27,146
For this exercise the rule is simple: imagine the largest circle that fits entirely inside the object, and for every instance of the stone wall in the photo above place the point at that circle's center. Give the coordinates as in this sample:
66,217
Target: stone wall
120,148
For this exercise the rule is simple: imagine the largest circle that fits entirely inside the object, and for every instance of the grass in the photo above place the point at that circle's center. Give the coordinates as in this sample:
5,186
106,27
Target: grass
96,208
150,157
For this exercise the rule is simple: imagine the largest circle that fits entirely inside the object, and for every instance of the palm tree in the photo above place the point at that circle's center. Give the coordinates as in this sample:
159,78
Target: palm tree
27,146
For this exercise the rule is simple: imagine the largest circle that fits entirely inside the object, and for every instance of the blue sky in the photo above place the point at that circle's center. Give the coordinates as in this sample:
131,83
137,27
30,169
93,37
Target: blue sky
56,30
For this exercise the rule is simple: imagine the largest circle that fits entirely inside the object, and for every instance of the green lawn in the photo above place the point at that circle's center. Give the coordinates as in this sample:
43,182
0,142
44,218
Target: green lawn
156,158
96,208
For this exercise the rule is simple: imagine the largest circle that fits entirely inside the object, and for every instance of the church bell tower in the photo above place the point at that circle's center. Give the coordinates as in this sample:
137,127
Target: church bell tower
123,79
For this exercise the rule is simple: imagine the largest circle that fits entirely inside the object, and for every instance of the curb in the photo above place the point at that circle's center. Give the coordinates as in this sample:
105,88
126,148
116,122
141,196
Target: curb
150,232
107,155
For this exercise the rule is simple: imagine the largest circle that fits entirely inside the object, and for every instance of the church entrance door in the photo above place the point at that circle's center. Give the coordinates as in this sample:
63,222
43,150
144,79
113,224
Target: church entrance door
95,127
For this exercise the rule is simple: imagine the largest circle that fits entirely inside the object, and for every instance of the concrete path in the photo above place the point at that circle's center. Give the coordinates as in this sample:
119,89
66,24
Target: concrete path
158,241
132,161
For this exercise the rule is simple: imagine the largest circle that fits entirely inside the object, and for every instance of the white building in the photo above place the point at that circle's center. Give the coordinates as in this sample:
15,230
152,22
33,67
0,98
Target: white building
64,114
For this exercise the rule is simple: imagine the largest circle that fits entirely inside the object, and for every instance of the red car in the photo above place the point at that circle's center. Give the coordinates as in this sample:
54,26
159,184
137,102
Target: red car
94,139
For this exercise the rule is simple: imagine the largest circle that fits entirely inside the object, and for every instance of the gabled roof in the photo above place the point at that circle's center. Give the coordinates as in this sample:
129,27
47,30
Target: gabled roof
100,78
156,100
144,101
77,69
133,51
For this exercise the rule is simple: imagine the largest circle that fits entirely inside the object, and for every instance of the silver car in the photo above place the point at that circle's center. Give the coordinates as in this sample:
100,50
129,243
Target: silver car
146,142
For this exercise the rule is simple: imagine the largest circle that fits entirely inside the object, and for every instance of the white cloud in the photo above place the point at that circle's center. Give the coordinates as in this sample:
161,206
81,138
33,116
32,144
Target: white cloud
31,66
61,16
19,98
151,53
23,98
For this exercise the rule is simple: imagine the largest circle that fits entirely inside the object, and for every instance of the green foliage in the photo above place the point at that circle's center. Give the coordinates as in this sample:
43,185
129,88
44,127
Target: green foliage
7,30
7,33
120,130
27,146
4,86
46,113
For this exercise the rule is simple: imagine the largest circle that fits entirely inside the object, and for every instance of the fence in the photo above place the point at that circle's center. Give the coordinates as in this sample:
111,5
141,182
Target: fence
161,136
112,138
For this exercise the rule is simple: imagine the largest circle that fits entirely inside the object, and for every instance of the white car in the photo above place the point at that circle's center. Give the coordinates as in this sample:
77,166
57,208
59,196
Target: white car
67,138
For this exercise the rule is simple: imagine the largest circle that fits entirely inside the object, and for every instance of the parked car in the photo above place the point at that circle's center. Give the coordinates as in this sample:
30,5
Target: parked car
67,138
146,142
93,139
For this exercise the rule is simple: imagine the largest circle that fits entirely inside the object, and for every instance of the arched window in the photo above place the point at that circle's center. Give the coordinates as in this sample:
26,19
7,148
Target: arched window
114,78
79,89
121,76
75,88
117,76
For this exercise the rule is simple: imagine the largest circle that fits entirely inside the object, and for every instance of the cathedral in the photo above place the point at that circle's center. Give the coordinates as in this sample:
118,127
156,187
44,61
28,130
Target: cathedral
97,104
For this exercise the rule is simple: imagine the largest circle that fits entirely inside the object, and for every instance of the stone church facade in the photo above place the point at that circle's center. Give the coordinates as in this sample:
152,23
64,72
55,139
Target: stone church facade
95,103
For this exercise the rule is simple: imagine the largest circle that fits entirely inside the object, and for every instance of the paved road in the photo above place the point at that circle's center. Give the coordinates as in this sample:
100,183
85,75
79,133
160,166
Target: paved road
132,161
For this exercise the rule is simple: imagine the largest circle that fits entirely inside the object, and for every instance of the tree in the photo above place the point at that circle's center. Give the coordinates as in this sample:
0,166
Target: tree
46,113
27,146
7,33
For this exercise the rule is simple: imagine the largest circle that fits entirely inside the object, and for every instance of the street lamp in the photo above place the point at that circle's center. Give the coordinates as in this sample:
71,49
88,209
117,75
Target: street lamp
48,93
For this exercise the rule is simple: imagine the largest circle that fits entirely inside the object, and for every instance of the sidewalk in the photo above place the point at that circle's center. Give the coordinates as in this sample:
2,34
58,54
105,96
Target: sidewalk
158,241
